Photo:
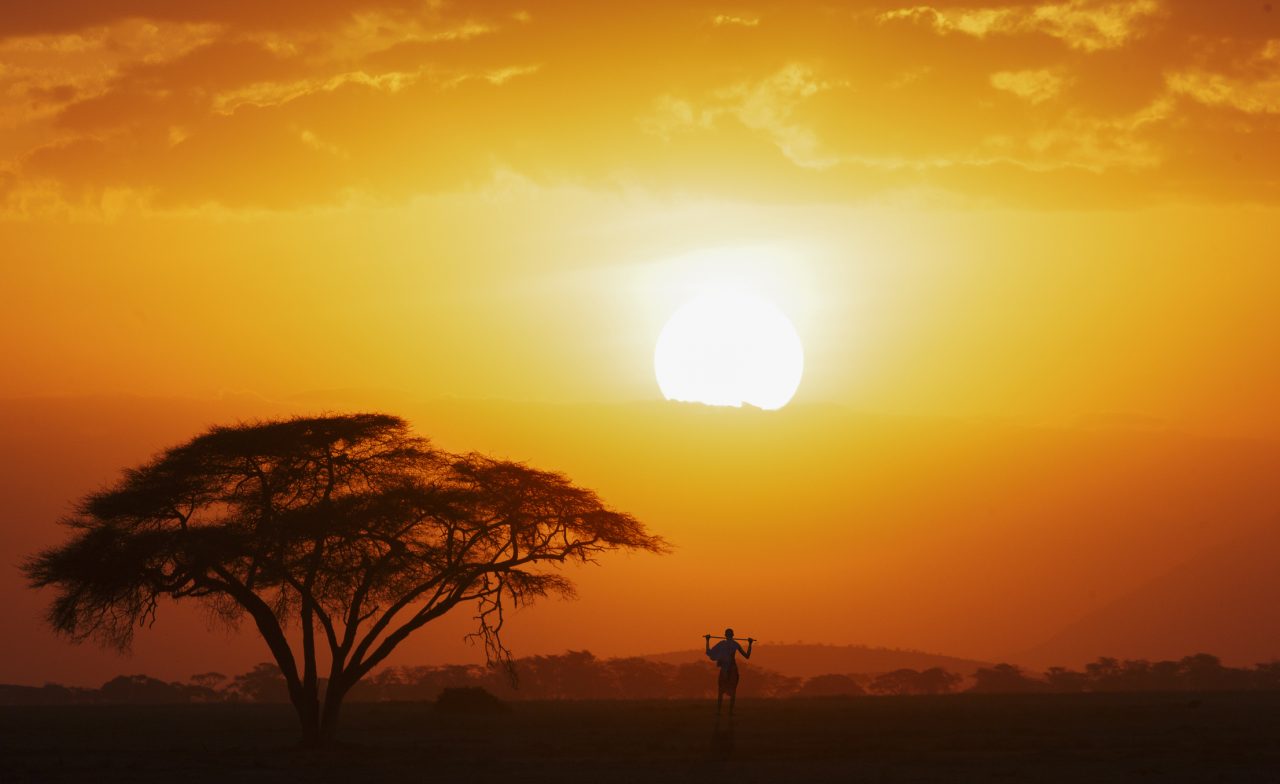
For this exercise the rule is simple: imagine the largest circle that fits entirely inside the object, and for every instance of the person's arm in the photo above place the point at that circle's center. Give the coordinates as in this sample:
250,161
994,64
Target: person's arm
707,638
747,653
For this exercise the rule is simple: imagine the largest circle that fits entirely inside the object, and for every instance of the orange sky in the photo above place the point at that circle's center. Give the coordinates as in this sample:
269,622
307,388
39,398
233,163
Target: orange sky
1045,214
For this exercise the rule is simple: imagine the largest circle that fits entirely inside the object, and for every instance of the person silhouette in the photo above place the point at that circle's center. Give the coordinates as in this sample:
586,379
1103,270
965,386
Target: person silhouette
724,654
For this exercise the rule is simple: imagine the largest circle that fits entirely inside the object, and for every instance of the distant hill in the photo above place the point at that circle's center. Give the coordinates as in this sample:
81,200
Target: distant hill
805,660
1225,602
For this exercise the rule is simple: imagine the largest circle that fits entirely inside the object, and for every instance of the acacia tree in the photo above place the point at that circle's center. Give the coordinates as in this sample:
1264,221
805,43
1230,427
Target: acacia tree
348,529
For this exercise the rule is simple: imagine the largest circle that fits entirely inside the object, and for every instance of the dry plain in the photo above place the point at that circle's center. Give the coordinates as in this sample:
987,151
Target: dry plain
1033,738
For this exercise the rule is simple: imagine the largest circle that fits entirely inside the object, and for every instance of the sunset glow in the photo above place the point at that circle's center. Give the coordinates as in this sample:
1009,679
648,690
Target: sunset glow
1003,275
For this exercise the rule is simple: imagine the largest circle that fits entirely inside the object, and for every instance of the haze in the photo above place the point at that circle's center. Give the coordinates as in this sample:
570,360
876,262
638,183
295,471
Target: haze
1029,247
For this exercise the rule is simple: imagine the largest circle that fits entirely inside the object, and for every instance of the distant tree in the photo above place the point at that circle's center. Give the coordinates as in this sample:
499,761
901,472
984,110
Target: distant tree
392,683
1135,675
759,682
1163,676
264,683
893,682
469,699
142,690
691,681
1266,675
637,678
934,680
571,675
208,680
48,694
206,687
832,685
346,526
1199,672
425,683
457,675
1003,679
1065,681
1104,674
1205,672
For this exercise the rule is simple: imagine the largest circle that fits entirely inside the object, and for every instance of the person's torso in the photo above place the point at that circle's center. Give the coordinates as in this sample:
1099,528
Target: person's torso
724,653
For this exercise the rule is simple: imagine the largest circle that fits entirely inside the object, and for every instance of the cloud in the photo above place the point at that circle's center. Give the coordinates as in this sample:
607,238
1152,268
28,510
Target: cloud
769,106
464,31
766,105
1251,96
1080,24
240,108
1255,90
735,20
1033,86
504,75
670,115
69,16
266,94
909,76
185,113
1099,144
316,143
41,75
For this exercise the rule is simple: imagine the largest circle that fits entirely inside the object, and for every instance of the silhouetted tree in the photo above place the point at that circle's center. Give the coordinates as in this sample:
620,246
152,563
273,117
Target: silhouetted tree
570,675
1200,672
1205,672
209,680
934,680
1003,679
1266,675
638,679
690,681
1114,675
1103,673
1135,675
759,682
49,694
1065,681
143,690
346,525
1162,676
264,683
833,685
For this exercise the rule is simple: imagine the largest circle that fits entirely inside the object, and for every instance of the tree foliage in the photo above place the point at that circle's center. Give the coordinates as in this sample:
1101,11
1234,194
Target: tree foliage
349,528
934,680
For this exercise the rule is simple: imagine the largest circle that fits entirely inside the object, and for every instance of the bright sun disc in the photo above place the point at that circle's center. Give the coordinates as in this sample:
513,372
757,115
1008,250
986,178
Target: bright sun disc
729,349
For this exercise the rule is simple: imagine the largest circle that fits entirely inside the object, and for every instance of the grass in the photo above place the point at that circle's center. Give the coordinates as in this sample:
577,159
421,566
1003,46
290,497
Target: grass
1034,738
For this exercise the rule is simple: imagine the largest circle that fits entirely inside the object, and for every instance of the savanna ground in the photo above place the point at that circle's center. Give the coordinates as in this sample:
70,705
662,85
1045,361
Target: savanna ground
1034,738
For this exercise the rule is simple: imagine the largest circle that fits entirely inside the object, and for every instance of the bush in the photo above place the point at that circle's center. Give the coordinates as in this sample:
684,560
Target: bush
469,699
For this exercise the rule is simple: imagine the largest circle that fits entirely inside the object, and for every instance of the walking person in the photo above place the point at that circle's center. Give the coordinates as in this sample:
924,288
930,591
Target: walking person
725,655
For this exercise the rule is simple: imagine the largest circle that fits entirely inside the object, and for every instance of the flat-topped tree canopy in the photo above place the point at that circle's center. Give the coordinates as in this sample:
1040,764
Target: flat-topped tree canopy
349,524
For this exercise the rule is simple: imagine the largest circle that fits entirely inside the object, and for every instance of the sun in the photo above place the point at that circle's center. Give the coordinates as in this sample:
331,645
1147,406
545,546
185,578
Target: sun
729,349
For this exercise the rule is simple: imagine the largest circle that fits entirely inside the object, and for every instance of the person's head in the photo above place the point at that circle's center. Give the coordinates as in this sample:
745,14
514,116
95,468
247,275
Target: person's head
728,634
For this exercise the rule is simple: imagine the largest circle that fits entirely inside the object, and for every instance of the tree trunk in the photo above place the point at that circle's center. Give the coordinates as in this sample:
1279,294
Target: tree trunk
329,719
319,725
308,708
